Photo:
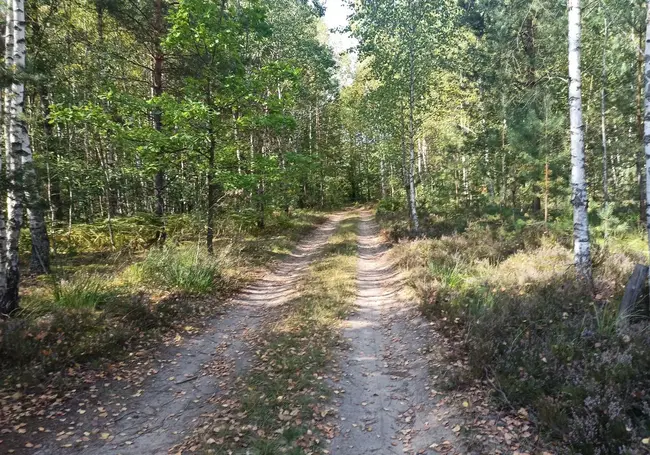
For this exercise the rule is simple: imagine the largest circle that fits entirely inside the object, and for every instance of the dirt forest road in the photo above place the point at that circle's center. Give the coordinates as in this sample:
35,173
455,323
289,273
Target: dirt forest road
384,396
152,418
388,406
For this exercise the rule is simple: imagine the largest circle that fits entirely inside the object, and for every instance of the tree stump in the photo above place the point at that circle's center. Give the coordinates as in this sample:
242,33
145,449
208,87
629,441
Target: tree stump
635,302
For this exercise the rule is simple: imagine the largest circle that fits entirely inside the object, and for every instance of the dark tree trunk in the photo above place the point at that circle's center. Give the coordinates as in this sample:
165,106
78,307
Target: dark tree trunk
640,171
54,183
156,91
212,194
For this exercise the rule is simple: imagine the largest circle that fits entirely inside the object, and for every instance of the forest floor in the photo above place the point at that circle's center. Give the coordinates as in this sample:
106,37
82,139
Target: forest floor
382,374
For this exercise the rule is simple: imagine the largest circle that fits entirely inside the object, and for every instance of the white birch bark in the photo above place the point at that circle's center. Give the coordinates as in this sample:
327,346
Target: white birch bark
5,305
19,147
579,197
646,124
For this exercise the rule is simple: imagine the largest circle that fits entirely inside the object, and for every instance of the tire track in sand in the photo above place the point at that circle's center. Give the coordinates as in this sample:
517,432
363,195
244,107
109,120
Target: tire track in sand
387,407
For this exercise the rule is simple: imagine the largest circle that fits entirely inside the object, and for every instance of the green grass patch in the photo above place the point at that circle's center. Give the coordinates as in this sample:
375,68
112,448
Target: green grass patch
190,270
282,403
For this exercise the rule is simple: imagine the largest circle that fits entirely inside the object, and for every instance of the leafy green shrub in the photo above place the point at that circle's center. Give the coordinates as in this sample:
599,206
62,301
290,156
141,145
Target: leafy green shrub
388,206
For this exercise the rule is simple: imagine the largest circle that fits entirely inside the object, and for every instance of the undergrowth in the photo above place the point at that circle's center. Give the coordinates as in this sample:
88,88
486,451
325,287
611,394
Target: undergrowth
96,309
282,403
544,342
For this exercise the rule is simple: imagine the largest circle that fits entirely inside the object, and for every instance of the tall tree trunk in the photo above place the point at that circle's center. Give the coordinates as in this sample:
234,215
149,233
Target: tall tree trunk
546,192
603,111
6,304
640,132
463,159
19,148
546,153
156,91
103,160
646,137
579,197
415,223
382,177
212,191
39,263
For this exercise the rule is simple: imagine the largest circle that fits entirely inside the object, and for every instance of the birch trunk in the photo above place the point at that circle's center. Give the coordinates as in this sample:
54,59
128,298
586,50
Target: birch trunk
465,181
382,177
646,126
6,305
578,181
19,148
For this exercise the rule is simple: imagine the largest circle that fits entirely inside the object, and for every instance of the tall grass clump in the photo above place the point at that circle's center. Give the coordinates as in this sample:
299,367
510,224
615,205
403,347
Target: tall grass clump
186,269
79,292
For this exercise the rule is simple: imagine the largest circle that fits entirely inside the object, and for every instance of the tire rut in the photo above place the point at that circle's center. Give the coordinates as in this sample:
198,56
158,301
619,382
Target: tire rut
387,407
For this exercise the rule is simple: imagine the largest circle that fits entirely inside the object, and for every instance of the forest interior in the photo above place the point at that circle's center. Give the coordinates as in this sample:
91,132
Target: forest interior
260,227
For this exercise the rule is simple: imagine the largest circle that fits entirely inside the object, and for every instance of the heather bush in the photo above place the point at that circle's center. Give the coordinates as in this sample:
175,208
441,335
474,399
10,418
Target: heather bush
545,342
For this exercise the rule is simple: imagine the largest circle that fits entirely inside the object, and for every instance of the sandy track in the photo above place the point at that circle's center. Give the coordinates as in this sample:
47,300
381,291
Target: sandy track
387,407
158,414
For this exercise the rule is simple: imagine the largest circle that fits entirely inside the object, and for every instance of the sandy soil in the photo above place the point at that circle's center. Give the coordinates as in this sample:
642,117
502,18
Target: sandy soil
388,405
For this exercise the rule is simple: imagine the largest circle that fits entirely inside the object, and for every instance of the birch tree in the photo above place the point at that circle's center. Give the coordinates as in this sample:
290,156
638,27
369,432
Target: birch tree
18,150
646,125
6,306
579,197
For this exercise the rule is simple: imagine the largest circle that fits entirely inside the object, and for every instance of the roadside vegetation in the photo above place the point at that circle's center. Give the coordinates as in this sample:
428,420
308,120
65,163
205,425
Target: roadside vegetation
99,303
543,341
281,404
